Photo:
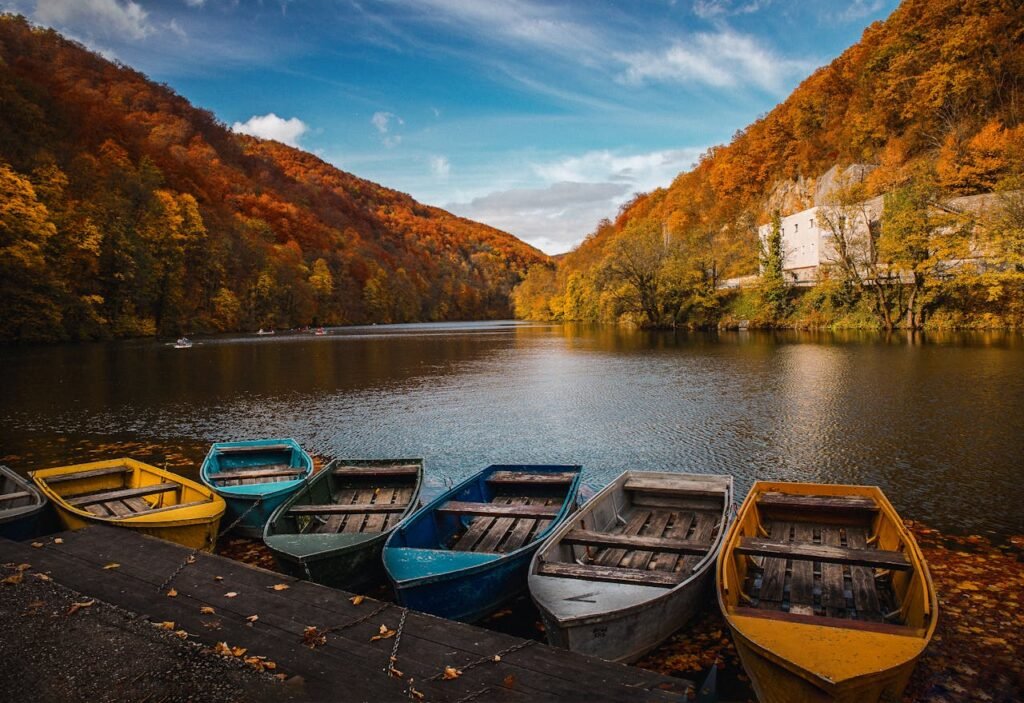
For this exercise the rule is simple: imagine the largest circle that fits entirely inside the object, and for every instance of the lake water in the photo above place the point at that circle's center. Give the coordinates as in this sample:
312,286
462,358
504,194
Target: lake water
938,423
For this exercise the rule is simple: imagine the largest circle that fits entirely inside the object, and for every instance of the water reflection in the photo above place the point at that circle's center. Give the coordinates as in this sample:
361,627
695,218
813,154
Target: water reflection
936,420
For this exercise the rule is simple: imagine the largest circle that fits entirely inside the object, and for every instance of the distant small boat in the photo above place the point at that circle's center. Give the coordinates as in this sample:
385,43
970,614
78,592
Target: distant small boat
21,506
332,529
826,592
319,332
467,552
263,333
183,343
634,565
129,493
255,477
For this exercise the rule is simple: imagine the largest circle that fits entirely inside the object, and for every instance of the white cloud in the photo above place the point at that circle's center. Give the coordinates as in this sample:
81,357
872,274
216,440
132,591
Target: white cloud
177,29
713,9
858,9
195,3
385,122
723,59
641,172
122,18
270,126
440,166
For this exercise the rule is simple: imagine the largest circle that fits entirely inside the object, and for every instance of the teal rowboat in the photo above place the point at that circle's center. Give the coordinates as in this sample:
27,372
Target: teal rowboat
332,530
468,551
254,478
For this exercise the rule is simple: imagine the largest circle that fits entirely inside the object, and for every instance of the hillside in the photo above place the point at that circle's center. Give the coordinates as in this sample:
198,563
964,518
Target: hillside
126,211
934,93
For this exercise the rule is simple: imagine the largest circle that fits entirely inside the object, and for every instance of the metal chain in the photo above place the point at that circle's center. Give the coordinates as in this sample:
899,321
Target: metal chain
337,628
474,695
192,555
490,658
390,668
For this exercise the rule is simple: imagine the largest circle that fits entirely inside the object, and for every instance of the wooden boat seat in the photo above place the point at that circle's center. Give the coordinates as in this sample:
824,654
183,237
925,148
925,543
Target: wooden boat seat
612,574
8,497
352,508
255,449
536,512
377,471
502,533
91,473
520,477
106,496
638,542
274,471
826,503
808,551
675,487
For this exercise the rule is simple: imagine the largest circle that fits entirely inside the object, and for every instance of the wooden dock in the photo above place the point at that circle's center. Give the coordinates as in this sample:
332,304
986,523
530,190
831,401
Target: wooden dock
337,661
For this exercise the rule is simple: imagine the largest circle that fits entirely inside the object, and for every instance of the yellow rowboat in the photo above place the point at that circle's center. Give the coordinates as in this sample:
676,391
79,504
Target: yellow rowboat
128,493
826,592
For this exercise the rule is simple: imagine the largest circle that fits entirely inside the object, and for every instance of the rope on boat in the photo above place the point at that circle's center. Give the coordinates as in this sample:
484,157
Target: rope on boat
192,555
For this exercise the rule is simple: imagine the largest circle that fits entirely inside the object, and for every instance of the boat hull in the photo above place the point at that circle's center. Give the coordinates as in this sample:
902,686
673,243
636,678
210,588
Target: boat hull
195,534
349,569
39,521
256,516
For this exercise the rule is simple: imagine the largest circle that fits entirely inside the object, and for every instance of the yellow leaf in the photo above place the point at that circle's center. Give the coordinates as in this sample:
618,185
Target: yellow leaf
14,579
75,607
238,651
207,610
450,672
385,633
280,586
223,649
182,634
167,624
23,567
190,559
58,540
356,600
253,618
230,594
173,593
43,577
112,565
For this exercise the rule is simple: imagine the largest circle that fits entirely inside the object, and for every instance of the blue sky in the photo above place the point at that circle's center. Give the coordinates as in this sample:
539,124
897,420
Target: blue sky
536,117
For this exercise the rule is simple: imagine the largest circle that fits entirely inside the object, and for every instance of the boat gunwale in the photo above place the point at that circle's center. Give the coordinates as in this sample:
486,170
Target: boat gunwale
699,569
909,544
324,475
461,572
199,514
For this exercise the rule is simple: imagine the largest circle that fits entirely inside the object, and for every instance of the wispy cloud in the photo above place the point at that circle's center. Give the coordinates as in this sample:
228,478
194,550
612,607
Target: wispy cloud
715,9
270,126
859,9
723,59
440,166
384,122
101,17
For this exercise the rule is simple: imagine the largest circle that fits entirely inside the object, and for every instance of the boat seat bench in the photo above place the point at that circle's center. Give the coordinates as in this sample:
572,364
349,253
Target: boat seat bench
675,487
349,509
7,497
811,502
90,473
636,542
808,551
521,477
612,574
535,512
499,531
376,471
121,494
275,471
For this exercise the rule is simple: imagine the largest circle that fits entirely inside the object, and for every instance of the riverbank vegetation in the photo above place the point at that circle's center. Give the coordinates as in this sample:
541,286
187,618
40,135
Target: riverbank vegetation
931,102
125,211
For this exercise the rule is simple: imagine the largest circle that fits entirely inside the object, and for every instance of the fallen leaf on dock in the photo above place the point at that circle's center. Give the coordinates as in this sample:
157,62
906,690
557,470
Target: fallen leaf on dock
173,593
509,681
450,672
356,600
313,638
181,634
43,577
415,694
218,578
14,579
191,559
75,607
238,651
37,545
222,649
23,567
280,587
58,540
385,633
167,624
230,594
253,618
112,565
207,610
280,677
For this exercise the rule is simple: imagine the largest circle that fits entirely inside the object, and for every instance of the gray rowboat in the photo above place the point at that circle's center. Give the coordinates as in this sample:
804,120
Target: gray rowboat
633,565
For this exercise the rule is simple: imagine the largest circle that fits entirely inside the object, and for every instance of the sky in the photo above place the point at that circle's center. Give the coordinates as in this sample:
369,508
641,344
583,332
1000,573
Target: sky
539,118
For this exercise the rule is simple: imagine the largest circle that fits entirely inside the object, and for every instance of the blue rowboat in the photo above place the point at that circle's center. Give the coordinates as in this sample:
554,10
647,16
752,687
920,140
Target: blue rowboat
468,550
263,471
23,508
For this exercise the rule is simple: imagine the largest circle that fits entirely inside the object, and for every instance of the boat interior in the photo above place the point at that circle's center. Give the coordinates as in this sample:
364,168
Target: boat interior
498,513
355,497
257,463
826,559
122,490
14,494
652,533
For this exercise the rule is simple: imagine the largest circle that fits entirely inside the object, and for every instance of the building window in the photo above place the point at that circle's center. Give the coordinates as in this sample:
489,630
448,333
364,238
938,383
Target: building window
811,224
796,227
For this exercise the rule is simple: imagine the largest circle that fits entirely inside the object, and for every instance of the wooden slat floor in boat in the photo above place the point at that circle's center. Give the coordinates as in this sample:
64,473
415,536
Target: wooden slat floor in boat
665,523
362,522
818,588
504,534
263,473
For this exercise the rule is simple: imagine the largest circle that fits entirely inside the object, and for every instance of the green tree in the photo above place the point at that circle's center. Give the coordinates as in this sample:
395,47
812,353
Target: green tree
774,286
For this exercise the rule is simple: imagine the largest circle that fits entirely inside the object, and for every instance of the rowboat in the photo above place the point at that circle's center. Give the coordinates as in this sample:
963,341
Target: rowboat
254,477
128,493
633,565
332,530
22,506
827,594
467,551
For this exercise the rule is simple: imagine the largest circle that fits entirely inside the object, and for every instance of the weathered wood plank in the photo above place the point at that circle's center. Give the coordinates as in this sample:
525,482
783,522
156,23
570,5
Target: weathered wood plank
402,497
832,591
271,472
8,497
704,526
806,552
639,559
773,577
91,498
354,521
640,542
459,507
118,508
611,557
613,574
255,449
865,596
520,532
681,522
478,527
91,473
675,486
350,509
389,471
831,503
801,578
382,497
515,477
168,508
497,530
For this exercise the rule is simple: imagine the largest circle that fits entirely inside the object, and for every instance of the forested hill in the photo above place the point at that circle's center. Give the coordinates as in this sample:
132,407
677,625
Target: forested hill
934,93
126,211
